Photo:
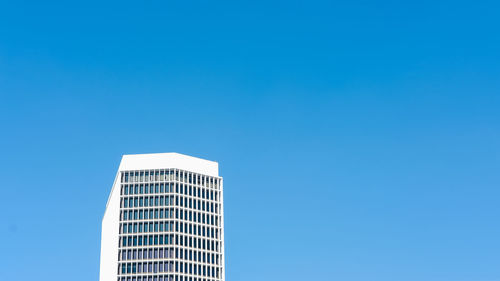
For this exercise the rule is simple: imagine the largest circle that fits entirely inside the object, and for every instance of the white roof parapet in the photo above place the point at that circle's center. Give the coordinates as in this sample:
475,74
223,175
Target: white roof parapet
169,160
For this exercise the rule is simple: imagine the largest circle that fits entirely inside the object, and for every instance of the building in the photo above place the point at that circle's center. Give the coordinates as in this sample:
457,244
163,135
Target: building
164,220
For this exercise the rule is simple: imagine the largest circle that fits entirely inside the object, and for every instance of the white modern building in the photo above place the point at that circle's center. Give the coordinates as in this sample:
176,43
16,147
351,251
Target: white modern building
164,220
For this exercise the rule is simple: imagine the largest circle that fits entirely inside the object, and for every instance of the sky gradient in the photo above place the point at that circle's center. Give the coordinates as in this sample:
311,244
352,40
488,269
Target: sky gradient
358,140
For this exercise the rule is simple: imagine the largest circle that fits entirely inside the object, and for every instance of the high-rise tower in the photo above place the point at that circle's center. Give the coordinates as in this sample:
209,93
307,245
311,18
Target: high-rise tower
164,220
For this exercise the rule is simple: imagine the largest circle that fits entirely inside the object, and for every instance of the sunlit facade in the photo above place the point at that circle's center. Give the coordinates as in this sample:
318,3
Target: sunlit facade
164,220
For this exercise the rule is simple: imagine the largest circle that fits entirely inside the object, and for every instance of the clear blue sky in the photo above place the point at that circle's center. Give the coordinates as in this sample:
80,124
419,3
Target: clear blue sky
359,141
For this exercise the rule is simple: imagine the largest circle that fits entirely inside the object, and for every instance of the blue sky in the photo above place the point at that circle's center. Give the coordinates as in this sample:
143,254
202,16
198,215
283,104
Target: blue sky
358,140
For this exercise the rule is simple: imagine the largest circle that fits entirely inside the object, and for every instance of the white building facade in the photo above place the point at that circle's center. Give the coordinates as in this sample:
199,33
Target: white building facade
164,220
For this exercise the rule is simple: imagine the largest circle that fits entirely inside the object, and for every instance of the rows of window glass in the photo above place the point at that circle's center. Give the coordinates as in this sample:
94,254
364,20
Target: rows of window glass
146,214
170,175
169,239
193,222
163,226
184,189
168,226
160,201
169,213
146,267
148,253
147,201
168,266
169,253
169,277
147,240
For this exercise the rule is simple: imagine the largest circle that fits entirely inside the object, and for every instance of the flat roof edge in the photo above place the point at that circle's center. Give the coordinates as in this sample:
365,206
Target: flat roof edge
169,160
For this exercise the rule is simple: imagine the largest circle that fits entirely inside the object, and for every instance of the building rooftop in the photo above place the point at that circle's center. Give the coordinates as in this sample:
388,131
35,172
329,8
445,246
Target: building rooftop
169,160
